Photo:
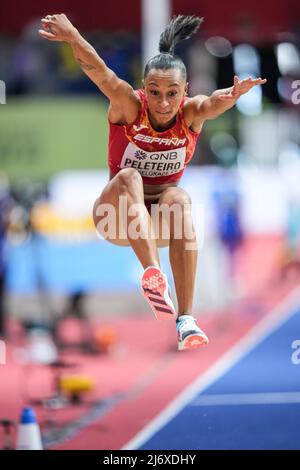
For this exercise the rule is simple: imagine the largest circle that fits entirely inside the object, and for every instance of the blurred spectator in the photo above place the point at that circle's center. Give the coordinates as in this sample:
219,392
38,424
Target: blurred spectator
228,222
229,226
33,66
5,207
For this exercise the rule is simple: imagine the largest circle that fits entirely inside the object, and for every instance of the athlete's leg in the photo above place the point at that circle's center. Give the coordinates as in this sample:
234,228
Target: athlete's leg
127,187
183,259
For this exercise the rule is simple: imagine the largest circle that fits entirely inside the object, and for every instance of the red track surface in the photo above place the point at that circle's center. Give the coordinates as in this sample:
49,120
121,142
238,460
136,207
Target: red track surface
146,366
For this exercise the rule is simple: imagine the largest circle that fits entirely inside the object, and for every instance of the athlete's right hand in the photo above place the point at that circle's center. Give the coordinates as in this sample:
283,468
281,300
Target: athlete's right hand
57,28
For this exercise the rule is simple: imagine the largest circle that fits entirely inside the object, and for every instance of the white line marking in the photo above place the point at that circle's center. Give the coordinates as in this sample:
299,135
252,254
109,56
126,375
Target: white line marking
247,399
268,324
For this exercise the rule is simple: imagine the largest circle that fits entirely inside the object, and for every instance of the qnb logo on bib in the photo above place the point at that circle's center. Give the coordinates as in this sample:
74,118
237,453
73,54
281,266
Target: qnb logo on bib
154,164
140,155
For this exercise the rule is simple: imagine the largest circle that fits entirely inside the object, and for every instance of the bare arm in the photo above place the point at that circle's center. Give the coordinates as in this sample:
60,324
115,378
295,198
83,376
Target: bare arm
222,100
119,92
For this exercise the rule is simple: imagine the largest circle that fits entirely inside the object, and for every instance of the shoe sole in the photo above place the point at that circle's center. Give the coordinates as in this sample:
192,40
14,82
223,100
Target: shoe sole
193,341
155,291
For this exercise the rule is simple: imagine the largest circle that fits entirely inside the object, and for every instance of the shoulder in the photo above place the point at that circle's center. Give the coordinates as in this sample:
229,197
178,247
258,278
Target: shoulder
193,104
192,112
122,115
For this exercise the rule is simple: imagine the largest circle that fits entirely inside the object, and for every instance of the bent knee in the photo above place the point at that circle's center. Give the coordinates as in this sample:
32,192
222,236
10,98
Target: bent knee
129,178
176,196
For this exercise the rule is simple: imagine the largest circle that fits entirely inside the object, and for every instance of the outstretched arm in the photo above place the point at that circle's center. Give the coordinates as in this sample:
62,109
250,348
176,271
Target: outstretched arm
222,100
59,28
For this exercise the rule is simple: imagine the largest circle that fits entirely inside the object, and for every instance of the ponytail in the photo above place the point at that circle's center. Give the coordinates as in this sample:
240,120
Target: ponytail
180,28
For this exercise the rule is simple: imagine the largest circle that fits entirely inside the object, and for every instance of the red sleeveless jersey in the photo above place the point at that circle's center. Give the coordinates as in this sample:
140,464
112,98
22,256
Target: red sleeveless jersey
159,157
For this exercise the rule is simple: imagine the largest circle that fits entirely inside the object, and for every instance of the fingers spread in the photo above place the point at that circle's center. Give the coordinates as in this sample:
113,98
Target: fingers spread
50,18
46,21
46,35
45,25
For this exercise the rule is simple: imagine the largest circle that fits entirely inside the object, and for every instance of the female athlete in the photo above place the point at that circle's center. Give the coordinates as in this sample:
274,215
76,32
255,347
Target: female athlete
153,133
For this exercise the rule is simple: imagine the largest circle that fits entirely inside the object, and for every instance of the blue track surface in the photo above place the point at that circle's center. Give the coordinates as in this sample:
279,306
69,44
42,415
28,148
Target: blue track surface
266,369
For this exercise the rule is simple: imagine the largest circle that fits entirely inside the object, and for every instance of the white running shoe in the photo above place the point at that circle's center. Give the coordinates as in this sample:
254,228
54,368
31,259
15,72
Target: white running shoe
190,336
155,289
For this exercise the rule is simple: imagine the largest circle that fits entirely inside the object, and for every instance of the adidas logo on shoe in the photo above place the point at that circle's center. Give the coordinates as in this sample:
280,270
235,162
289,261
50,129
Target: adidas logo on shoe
156,291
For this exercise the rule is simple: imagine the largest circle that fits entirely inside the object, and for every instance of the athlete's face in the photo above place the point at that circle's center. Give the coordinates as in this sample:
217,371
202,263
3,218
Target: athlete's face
164,90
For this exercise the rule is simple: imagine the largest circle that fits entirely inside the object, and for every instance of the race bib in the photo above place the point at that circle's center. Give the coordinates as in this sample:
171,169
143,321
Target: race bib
154,164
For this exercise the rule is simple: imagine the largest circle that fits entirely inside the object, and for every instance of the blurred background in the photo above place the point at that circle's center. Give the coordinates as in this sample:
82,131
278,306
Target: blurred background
57,278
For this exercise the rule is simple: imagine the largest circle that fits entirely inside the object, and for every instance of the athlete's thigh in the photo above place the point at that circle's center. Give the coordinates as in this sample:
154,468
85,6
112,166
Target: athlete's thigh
165,219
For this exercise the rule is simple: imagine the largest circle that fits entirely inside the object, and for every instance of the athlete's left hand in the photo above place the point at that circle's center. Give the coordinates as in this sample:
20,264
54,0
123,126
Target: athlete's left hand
240,87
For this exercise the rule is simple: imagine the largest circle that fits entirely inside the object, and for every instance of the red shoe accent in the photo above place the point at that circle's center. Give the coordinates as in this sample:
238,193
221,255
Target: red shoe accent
193,342
155,291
